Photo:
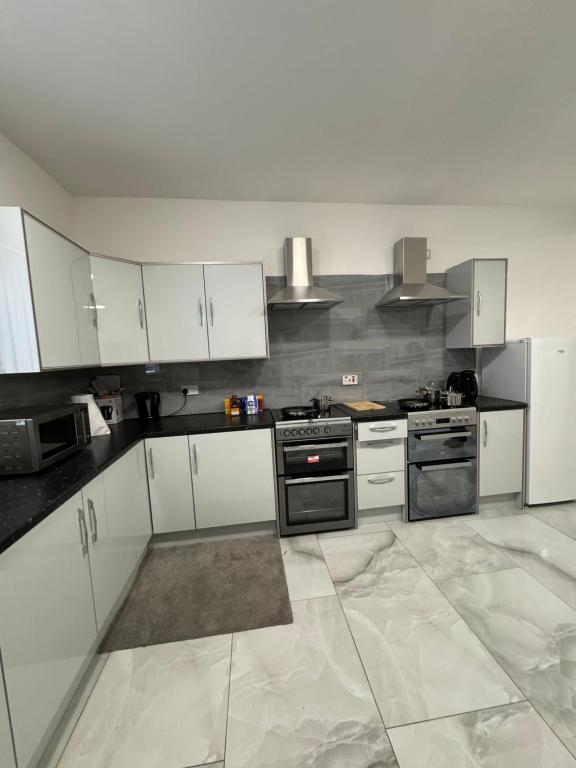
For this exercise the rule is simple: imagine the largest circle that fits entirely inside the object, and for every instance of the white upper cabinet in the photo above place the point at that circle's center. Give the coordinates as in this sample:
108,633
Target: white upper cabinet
233,477
236,310
480,320
501,456
47,314
176,311
48,628
121,312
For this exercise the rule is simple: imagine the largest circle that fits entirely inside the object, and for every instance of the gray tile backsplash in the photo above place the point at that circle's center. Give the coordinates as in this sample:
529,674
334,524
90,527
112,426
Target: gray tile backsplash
392,350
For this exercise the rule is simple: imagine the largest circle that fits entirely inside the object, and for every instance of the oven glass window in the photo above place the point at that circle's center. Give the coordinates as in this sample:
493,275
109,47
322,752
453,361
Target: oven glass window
317,501
442,490
57,435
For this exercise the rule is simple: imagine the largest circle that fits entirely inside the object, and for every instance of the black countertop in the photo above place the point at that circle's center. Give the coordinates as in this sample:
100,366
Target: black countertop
25,500
498,404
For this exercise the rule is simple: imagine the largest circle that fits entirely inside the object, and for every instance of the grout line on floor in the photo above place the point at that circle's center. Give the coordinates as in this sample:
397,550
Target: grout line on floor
458,714
228,697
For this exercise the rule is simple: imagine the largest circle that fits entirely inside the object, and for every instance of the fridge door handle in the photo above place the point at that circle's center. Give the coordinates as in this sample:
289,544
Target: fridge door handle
478,303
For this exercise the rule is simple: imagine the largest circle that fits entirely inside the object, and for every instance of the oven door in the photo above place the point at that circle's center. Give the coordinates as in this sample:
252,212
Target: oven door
316,503
318,457
442,489
442,444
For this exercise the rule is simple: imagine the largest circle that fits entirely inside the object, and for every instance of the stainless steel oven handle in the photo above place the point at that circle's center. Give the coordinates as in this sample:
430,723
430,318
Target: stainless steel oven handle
443,436
383,429
313,446
440,467
380,480
326,479
381,443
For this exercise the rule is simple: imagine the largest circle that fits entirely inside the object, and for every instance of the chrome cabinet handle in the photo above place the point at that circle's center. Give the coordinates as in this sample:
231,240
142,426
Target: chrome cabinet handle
92,299
484,433
478,303
443,436
151,464
93,521
383,429
83,532
440,467
195,455
141,313
201,311
211,311
380,481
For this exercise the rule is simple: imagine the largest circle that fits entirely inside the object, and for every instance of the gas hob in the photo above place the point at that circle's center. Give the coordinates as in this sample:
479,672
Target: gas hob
314,425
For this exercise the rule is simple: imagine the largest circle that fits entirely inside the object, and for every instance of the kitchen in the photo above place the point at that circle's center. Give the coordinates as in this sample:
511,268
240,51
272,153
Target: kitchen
182,584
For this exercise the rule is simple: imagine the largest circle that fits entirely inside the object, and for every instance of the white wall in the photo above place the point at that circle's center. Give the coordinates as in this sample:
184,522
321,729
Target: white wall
24,183
540,243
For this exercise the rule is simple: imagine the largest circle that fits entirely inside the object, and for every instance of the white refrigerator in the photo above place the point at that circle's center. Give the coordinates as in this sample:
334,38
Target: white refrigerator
542,373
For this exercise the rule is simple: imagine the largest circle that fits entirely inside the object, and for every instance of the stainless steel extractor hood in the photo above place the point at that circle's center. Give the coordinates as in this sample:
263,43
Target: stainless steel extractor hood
300,292
411,289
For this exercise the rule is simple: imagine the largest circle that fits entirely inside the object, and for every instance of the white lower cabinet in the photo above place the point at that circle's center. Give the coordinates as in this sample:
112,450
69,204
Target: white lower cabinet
47,626
170,484
6,743
501,452
381,490
233,477
381,464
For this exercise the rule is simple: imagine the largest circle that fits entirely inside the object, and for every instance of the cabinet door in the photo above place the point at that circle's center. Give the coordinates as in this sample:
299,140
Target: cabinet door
489,302
121,315
128,510
233,477
48,626
175,311
236,310
6,744
501,452
170,484
63,298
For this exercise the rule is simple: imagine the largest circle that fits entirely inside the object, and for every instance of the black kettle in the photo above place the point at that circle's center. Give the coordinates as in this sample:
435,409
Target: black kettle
148,404
466,383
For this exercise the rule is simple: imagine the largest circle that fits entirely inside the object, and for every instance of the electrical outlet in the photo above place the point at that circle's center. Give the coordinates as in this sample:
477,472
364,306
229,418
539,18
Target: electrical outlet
192,389
349,379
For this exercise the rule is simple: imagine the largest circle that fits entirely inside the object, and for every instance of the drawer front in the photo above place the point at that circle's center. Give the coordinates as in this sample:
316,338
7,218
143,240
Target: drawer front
380,456
381,490
382,430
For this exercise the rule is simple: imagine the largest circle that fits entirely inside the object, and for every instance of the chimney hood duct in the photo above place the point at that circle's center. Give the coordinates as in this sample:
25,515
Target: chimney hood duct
301,293
411,289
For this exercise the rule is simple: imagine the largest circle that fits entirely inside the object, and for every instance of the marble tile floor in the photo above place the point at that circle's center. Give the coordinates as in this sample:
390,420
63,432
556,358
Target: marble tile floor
413,646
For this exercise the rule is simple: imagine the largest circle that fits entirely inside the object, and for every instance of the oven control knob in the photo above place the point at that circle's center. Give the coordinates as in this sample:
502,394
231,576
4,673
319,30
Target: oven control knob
286,433
327,430
316,430
430,422
308,431
417,423
301,432
294,431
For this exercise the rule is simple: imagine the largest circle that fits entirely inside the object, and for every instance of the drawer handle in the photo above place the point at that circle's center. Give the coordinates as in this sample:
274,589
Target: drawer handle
380,480
383,429
381,443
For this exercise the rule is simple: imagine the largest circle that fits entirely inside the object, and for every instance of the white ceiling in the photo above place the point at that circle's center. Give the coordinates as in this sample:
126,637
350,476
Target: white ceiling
412,101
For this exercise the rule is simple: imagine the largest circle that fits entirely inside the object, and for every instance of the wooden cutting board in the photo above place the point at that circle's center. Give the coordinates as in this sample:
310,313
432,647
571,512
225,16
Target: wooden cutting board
364,405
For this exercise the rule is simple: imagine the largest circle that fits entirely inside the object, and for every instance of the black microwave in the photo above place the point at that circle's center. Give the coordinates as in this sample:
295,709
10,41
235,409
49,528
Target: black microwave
33,438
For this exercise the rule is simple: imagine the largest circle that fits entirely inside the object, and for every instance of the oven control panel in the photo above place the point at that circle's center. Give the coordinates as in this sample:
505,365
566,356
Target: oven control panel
454,417
298,430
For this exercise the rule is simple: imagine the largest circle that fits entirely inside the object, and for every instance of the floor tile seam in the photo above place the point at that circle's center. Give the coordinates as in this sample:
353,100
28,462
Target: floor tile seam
367,678
548,725
459,714
550,525
228,698
487,650
524,570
